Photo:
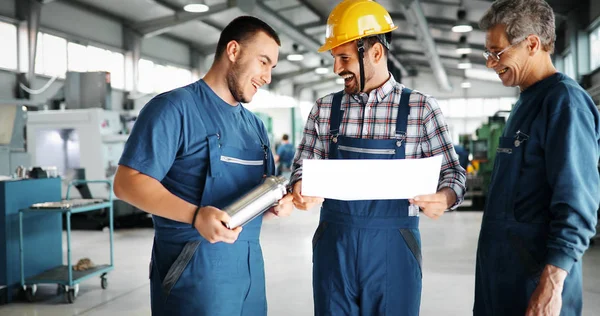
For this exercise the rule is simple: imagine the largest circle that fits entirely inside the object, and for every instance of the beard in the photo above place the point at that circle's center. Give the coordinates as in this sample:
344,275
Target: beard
234,85
354,86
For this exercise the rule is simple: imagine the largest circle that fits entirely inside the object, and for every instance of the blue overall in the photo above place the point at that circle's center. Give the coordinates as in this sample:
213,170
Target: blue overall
366,254
515,238
188,275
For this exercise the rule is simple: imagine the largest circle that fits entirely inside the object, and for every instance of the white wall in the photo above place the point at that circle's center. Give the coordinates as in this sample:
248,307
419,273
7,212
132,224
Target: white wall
282,121
7,8
177,53
70,20
594,10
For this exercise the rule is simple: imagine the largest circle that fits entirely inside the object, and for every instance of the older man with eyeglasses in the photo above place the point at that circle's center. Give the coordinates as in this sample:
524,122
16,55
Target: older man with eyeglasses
544,195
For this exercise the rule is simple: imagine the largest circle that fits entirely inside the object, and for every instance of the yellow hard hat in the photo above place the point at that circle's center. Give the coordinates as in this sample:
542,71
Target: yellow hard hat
354,19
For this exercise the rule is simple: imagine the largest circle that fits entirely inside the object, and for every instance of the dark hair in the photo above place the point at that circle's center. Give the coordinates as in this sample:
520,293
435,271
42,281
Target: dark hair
372,40
285,137
242,29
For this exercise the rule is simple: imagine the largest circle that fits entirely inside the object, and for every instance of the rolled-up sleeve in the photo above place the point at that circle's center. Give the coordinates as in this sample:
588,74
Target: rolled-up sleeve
437,141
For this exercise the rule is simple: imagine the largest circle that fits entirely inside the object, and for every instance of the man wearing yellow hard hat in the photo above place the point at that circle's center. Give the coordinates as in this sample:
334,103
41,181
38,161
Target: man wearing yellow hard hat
366,254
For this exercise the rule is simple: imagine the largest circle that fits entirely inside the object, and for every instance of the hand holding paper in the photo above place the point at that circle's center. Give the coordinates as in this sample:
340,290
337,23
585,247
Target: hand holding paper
303,202
371,179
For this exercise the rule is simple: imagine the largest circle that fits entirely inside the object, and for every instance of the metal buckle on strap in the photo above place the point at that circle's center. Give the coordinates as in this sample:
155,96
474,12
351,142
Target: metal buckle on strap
334,137
400,138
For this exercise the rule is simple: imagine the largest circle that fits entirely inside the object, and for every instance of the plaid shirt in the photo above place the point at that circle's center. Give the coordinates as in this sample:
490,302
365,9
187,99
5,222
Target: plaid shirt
427,132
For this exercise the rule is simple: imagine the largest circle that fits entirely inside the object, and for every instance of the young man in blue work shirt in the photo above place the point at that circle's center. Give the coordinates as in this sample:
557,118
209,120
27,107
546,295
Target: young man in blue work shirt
192,151
366,254
285,155
544,193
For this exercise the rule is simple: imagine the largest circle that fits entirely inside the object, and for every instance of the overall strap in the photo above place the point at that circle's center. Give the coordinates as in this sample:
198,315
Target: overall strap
402,119
335,120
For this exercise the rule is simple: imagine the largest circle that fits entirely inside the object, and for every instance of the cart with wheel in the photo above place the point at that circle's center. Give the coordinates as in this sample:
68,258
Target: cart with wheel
64,276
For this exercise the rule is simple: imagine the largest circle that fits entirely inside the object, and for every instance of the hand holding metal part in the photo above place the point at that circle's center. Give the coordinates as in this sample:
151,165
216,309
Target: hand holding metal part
210,225
270,193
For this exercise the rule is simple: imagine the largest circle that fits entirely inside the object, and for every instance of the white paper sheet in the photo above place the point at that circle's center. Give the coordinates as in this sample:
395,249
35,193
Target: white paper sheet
370,179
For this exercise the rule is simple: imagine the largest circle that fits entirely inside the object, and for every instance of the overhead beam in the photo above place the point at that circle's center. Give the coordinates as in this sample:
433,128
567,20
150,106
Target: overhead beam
278,22
474,58
436,40
314,10
316,83
158,26
292,74
310,25
399,16
291,7
414,14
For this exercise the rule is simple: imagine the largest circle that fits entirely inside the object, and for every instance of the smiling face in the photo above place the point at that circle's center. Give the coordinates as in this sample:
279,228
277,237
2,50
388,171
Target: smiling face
251,66
514,64
346,66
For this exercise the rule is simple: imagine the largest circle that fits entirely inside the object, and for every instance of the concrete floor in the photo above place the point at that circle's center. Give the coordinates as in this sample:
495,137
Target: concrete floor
449,258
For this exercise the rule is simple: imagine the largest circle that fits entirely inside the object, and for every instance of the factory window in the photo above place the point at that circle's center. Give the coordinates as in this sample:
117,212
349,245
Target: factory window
155,78
474,107
595,48
90,58
569,65
51,55
146,76
457,108
77,60
8,53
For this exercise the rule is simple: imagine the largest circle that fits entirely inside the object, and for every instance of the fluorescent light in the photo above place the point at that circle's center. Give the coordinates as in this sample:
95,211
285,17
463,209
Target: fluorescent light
196,8
464,62
295,57
340,81
464,65
463,47
462,24
322,70
482,74
465,85
464,50
462,28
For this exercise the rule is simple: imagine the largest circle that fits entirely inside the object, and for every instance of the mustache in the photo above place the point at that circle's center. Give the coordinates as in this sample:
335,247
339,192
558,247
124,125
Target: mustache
343,73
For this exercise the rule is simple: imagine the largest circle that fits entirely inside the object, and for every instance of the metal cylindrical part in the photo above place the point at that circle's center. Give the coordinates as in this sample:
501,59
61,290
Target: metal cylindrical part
256,202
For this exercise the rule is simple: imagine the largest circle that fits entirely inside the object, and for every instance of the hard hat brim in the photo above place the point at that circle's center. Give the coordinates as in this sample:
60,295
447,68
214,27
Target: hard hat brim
330,44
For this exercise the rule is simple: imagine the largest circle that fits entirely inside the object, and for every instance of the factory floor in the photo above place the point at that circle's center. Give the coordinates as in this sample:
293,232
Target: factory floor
448,252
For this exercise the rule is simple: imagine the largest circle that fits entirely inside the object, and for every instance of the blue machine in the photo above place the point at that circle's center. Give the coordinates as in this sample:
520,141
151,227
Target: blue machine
63,275
42,234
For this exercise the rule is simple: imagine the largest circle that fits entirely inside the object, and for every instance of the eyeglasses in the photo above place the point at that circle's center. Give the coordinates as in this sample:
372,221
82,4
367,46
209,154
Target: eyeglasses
496,56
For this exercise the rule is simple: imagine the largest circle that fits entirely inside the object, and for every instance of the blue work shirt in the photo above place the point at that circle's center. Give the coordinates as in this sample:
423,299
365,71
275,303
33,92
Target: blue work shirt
286,154
168,141
559,181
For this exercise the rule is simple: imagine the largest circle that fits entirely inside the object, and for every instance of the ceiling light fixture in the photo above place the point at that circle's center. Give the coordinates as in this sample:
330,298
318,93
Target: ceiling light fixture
196,7
322,70
463,47
295,56
462,25
464,62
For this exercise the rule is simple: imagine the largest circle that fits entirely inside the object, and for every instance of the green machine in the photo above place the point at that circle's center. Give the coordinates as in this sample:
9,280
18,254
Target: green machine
483,150
268,121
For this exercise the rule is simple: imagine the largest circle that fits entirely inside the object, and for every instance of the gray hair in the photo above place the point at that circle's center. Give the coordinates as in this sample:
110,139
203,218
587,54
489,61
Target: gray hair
522,18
